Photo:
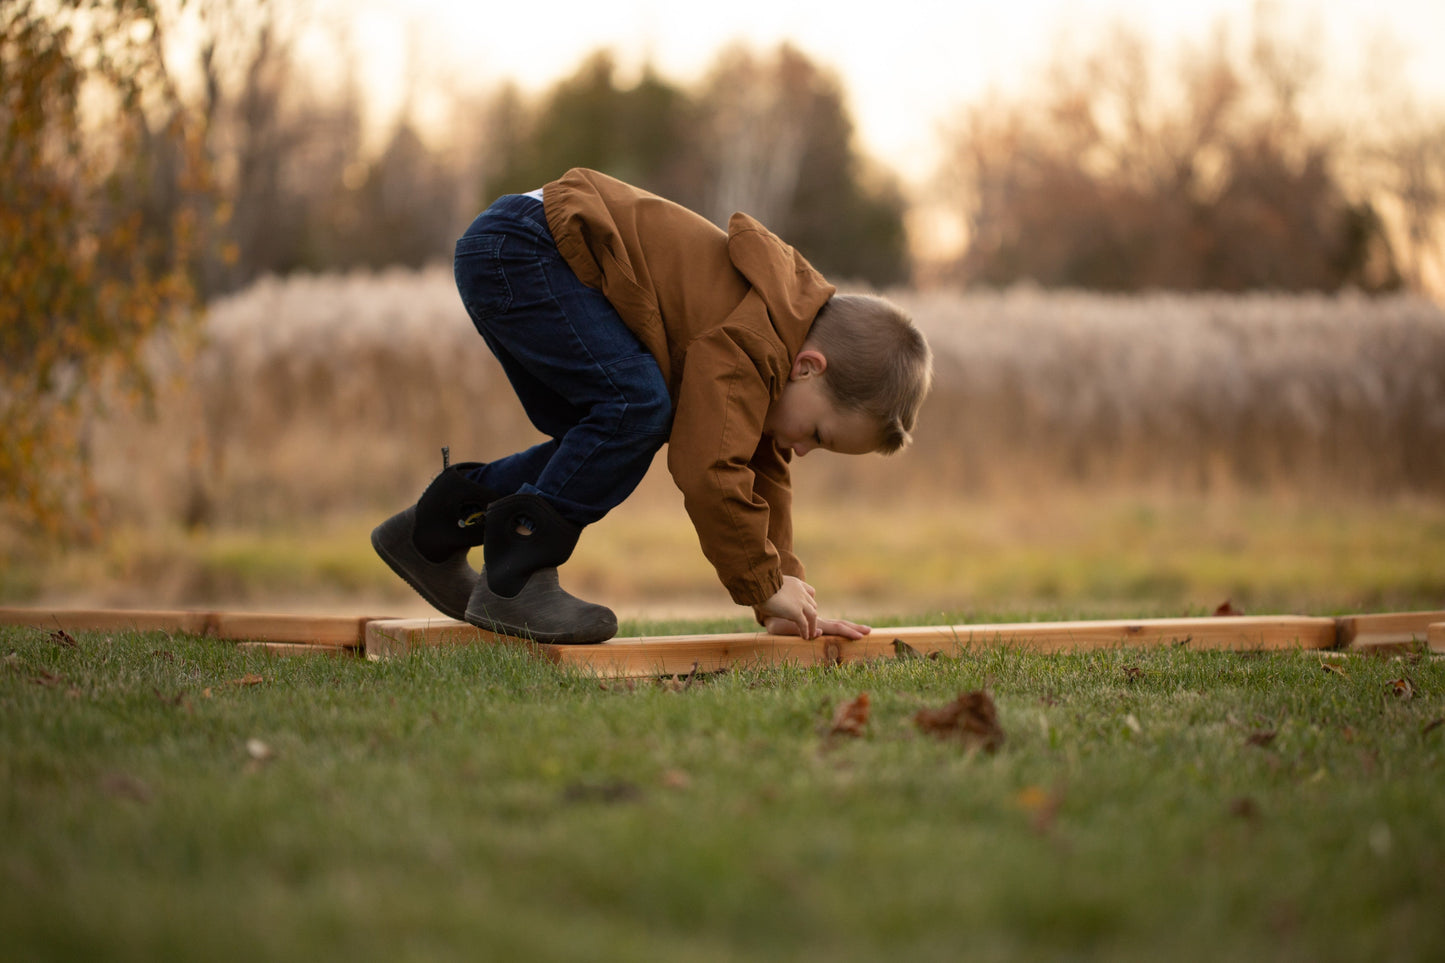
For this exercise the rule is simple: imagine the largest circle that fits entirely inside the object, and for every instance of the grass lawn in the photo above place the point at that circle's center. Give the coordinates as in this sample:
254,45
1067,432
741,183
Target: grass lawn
175,798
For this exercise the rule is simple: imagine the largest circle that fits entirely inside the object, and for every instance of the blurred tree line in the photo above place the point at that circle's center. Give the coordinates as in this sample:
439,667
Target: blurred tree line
768,133
1223,171
1220,168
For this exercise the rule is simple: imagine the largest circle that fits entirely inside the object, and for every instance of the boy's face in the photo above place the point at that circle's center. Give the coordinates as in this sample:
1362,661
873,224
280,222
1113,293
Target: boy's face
805,417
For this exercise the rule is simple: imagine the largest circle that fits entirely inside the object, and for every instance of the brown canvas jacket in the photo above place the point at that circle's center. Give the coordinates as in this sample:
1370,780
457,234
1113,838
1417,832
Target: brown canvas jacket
724,314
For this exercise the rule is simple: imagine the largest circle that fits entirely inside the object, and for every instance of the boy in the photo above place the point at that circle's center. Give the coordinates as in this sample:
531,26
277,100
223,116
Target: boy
623,321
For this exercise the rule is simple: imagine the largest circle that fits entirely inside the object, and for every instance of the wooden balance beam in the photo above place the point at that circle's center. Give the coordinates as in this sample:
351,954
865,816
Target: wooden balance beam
682,654
675,655
1388,631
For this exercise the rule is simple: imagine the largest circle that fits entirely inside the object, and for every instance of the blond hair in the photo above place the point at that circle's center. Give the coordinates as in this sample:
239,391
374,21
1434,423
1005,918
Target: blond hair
878,362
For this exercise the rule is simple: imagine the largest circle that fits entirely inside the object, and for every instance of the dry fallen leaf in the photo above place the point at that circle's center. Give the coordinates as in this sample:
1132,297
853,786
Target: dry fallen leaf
1403,689
1262,738
1227,609
251,679
902,650
678,683
850,717
64,639
1041,805
972,718
1335,669
1133,673
1243,807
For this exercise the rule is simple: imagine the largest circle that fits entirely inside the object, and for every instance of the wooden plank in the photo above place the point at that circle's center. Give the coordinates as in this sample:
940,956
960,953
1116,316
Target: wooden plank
392,637
349,631
297,648
1435,635
676,655
110,620
1387,631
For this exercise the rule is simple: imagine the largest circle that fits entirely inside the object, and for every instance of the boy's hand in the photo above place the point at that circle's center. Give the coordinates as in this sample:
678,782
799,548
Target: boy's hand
848,630
777,619
793,609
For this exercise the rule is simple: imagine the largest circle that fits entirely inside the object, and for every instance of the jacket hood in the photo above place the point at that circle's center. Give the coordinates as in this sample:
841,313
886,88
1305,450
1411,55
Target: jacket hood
790,287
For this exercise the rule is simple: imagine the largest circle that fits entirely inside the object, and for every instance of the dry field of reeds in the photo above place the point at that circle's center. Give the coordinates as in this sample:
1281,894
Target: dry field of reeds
316,399
330,394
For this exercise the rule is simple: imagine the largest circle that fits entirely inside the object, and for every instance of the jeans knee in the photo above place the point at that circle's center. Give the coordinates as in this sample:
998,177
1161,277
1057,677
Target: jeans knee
652,416
645,407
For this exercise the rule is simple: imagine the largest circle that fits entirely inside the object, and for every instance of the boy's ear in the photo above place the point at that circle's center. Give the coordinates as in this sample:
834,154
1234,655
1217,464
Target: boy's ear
810,361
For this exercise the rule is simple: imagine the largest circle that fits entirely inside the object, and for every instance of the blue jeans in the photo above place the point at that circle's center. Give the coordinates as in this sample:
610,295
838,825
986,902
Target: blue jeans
583,377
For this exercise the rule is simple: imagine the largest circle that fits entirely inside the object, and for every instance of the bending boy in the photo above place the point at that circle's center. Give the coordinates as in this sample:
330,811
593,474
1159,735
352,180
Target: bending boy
624,321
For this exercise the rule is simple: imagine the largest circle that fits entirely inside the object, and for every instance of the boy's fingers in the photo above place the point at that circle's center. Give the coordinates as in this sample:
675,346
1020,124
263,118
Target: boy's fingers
842,627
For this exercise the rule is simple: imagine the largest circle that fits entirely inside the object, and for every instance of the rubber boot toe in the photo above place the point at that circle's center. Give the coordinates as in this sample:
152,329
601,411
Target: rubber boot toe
542,611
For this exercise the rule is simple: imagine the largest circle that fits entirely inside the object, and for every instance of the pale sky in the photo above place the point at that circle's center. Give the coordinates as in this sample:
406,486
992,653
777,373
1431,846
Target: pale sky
907,64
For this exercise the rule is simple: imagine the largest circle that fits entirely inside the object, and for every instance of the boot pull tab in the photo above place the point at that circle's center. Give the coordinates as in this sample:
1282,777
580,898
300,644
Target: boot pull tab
446,457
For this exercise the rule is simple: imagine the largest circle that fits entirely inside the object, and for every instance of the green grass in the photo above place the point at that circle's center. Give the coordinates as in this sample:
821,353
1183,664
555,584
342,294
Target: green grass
480,804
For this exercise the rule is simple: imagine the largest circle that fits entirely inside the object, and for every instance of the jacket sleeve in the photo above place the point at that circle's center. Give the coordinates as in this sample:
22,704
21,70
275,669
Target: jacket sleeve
772,479
716,431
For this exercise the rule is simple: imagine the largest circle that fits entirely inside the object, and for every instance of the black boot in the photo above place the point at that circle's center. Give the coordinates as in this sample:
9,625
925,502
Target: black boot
518,593
427,543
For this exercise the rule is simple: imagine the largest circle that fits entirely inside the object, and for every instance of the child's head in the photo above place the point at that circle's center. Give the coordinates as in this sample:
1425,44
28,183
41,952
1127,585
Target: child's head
877,363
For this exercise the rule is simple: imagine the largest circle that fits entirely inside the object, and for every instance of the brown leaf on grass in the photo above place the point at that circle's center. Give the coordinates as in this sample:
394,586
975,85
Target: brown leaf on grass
678,683
902,650
1402,689
1226,609
1133,673
250,679
1261,738
1328,667
972,718
64,639
1432,725
850,717
1244,807
1041,805
47,679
